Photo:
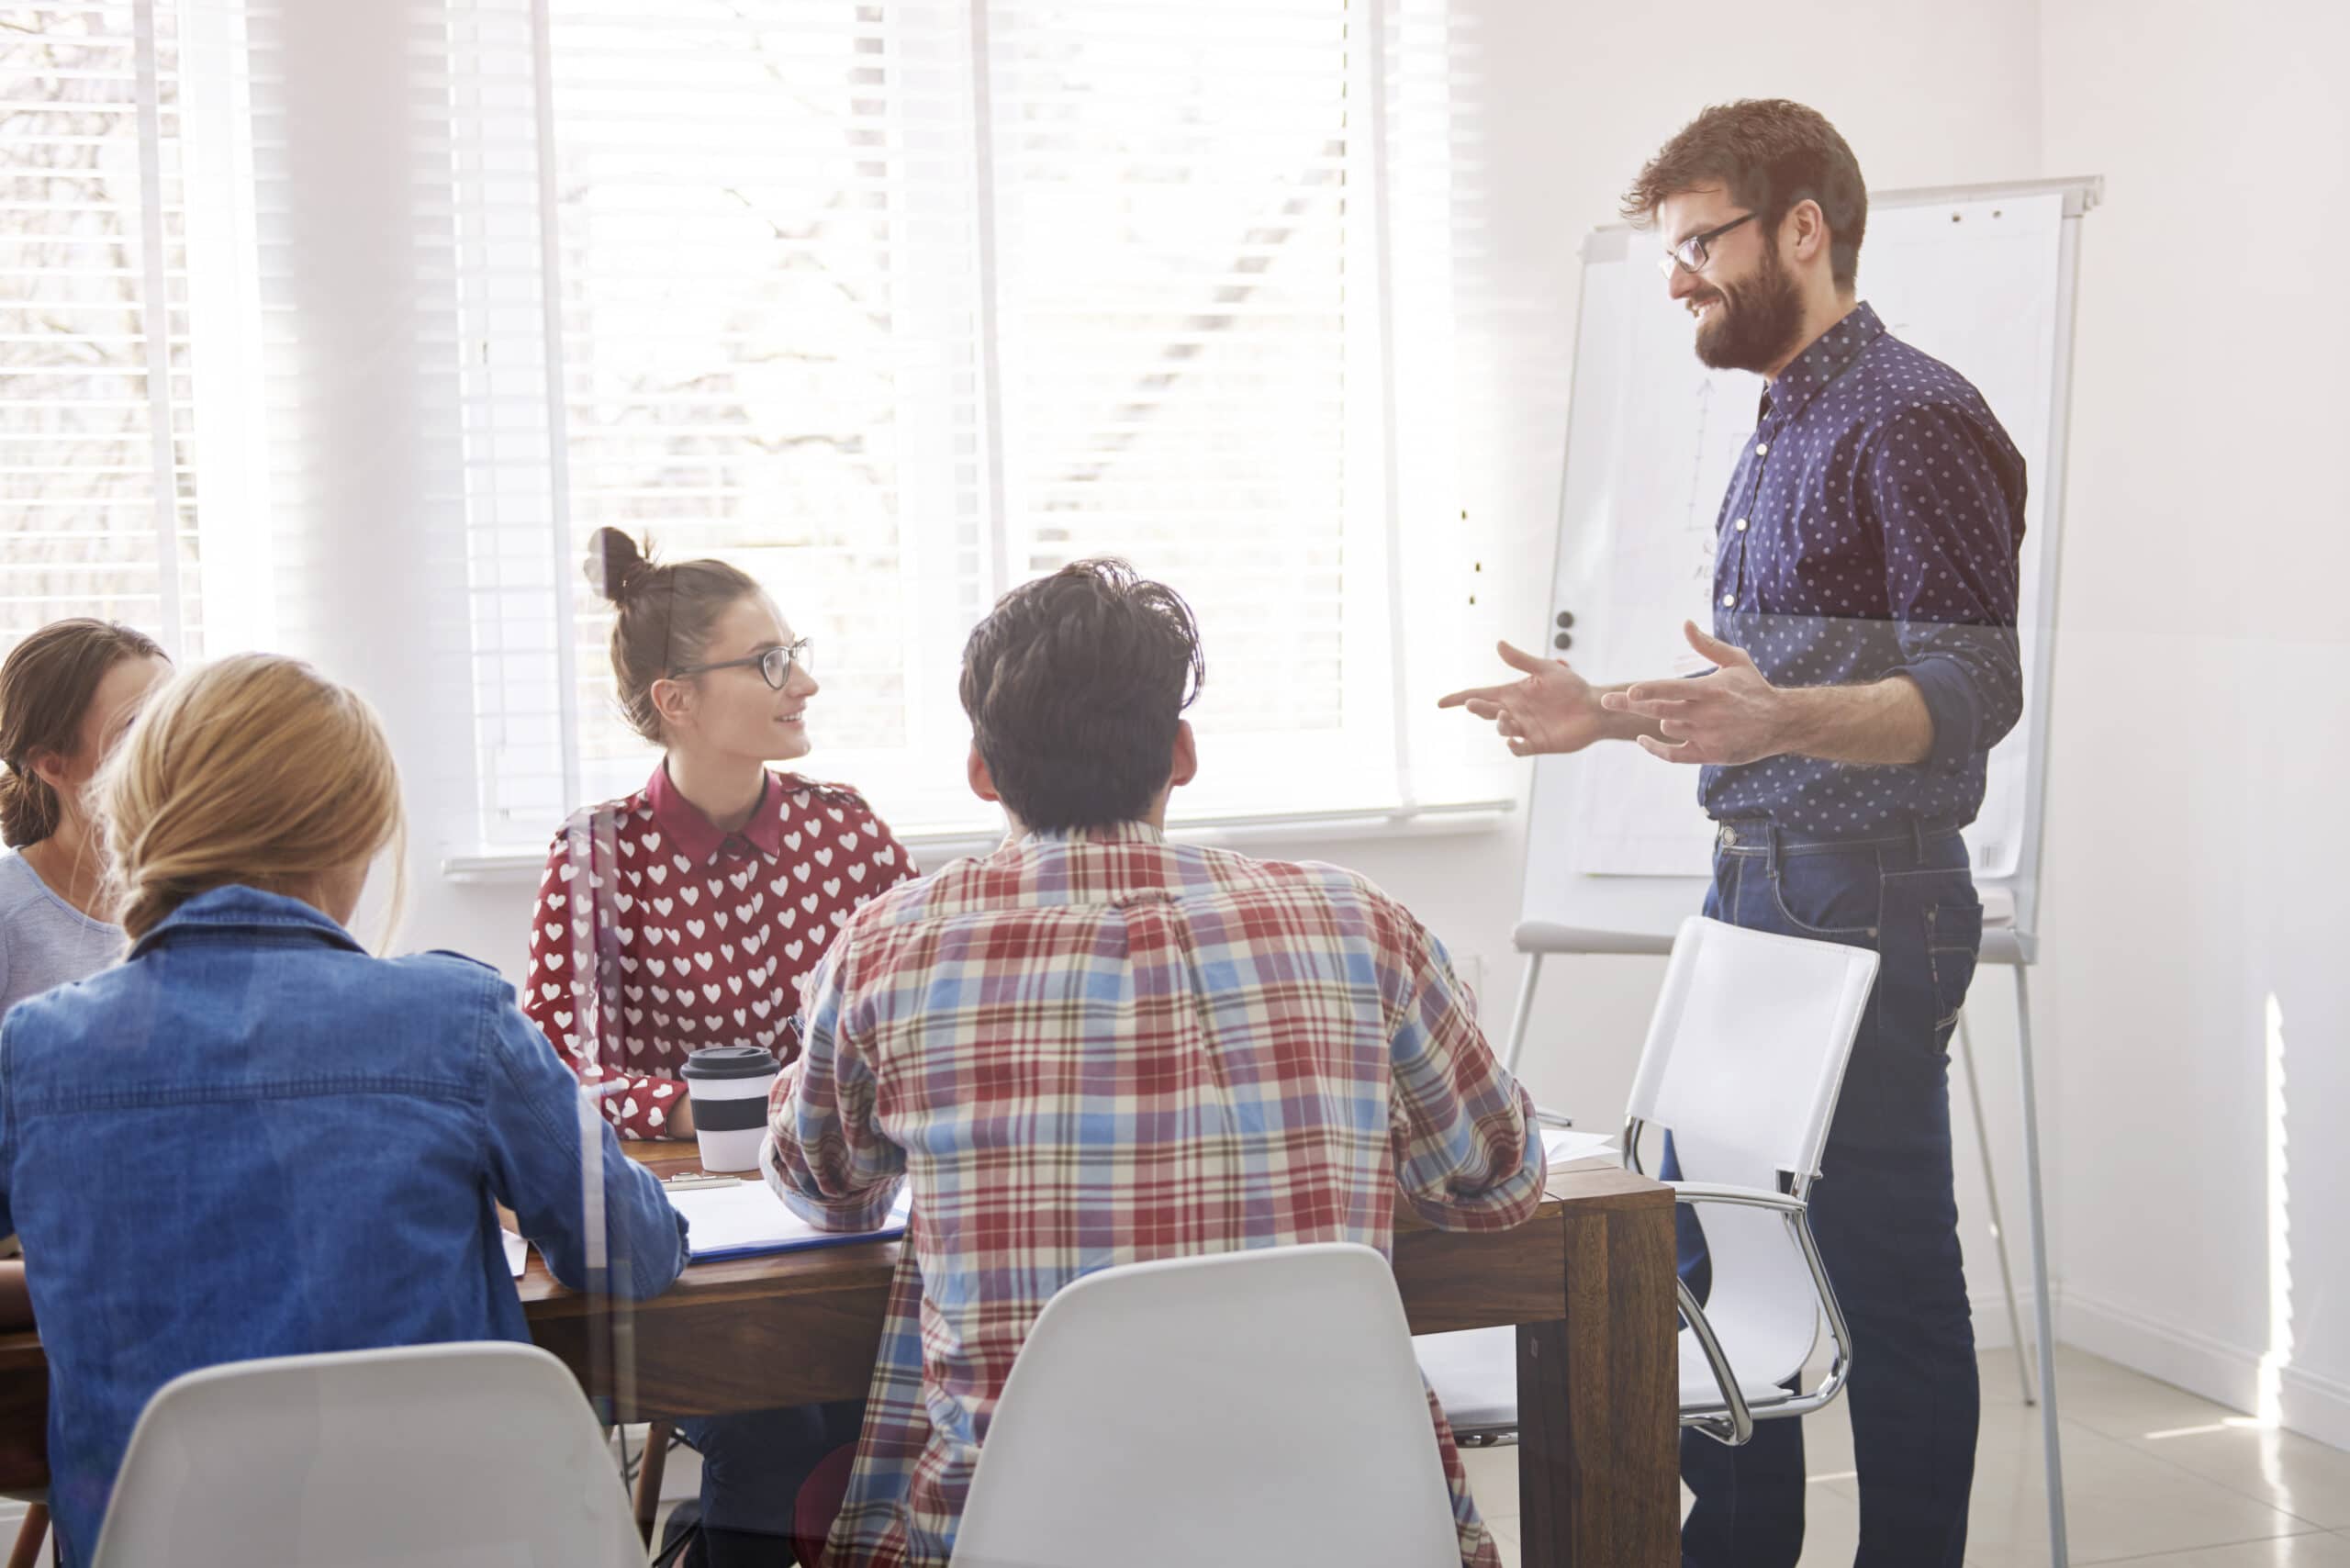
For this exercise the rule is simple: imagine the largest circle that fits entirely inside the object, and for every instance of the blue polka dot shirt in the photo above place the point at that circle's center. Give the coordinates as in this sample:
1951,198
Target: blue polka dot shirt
1874,526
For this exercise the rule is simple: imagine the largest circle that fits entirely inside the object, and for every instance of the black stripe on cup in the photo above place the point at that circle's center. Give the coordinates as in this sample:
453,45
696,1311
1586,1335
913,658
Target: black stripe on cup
730,1115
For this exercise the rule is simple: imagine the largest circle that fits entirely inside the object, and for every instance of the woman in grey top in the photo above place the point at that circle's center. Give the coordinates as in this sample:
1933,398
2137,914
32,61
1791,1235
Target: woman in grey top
67,693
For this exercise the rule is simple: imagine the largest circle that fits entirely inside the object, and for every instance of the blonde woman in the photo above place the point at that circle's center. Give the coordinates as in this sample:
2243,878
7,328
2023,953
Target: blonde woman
250,1138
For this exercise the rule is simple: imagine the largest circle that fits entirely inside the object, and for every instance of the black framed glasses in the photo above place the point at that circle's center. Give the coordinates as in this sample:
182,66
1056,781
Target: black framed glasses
1690,255
775,666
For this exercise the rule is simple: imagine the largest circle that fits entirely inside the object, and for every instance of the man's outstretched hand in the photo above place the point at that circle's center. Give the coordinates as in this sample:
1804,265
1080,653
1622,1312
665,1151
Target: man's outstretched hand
1552,710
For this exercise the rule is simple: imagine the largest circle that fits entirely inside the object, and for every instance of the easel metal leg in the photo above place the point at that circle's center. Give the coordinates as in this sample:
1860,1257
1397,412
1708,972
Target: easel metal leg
1524,1017
1998,1223
2059,1555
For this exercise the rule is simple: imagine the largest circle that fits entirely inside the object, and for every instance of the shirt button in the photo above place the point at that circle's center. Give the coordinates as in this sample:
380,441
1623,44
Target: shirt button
1761,449
1729,601
1741,525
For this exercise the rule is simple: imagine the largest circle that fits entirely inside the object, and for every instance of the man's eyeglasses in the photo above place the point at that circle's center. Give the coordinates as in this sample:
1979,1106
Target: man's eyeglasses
1689,255
775,666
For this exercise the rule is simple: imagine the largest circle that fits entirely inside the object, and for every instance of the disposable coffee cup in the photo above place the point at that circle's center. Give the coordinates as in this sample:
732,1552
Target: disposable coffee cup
729,1087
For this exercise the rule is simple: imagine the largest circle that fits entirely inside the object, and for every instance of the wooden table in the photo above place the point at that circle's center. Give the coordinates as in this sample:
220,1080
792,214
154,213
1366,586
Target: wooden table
1588,1281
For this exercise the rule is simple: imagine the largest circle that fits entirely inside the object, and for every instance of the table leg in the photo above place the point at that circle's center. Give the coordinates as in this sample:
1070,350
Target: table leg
1598,1402
648,1478
30,1537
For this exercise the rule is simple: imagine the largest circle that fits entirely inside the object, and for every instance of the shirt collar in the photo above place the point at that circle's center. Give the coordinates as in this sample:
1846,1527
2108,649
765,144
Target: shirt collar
1829,355
1115,863
1107,832
699,839
240,908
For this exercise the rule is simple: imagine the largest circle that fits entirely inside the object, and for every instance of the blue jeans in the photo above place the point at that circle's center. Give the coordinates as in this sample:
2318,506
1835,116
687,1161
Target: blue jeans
1884,1209
753,1463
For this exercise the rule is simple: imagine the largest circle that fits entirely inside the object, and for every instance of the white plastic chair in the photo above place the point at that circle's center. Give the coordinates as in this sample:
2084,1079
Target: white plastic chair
450,1455
1151,1421
1745,1055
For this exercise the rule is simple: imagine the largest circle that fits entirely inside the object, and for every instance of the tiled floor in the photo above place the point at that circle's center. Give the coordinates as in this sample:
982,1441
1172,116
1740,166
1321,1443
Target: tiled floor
2152,1476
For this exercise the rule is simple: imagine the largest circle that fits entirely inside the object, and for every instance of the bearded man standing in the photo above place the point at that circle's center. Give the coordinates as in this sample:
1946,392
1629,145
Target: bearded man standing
1865,663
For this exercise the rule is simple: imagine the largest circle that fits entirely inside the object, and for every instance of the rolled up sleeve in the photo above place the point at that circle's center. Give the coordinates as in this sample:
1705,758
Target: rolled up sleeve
824,1155
1467,1149
1953,534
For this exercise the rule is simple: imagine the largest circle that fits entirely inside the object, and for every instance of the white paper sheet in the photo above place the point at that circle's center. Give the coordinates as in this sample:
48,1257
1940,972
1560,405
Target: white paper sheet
1564,1146
747,1218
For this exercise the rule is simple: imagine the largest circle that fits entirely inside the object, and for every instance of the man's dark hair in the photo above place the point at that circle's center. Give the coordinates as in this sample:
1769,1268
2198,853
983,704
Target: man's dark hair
1771,154
1075,685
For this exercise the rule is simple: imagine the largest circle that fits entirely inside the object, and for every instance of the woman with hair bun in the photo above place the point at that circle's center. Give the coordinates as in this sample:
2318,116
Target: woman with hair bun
688,913
250,1138
67,693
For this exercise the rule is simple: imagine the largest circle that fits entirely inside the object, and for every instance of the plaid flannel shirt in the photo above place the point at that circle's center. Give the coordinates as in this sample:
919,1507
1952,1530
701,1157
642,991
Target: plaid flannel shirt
1097,1048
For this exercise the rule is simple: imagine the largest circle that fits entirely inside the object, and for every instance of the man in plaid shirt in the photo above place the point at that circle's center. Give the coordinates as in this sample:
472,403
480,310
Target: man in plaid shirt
1095,1048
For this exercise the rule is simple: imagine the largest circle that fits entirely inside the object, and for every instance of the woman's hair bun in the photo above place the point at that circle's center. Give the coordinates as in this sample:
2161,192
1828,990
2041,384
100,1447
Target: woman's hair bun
29,807
616,564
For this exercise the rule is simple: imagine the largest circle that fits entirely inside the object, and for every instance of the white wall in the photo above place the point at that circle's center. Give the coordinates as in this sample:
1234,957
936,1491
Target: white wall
2202,732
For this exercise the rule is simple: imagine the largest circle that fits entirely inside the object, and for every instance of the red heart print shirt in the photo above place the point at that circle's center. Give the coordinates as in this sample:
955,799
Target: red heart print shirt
655,934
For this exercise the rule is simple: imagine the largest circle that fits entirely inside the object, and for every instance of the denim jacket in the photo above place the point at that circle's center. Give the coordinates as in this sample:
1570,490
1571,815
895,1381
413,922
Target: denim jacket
251,1139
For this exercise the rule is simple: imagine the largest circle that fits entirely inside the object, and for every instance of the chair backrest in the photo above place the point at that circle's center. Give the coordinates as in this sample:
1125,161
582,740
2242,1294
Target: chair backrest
1745,1055
1746,1050
447,1455
1242,1409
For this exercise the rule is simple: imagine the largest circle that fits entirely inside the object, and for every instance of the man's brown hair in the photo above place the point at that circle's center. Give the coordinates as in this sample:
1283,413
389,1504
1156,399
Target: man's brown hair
1771,154
1075,685
666,616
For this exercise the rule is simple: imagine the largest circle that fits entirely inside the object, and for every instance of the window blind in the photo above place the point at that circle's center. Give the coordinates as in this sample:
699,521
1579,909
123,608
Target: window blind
898,305
98,458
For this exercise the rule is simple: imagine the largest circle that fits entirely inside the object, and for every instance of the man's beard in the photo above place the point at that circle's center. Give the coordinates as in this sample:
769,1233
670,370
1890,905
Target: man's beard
1757,323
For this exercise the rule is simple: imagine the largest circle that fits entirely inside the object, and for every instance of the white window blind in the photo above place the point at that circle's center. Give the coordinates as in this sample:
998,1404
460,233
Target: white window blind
97,464
898,305
721,296
1189,351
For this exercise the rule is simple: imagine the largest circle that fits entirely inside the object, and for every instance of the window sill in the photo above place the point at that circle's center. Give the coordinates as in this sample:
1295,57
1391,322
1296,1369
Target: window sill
936,846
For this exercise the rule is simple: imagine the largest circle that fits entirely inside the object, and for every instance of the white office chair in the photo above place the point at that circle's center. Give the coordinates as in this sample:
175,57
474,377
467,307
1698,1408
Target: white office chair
1151,1421
1744,1058
425,1454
